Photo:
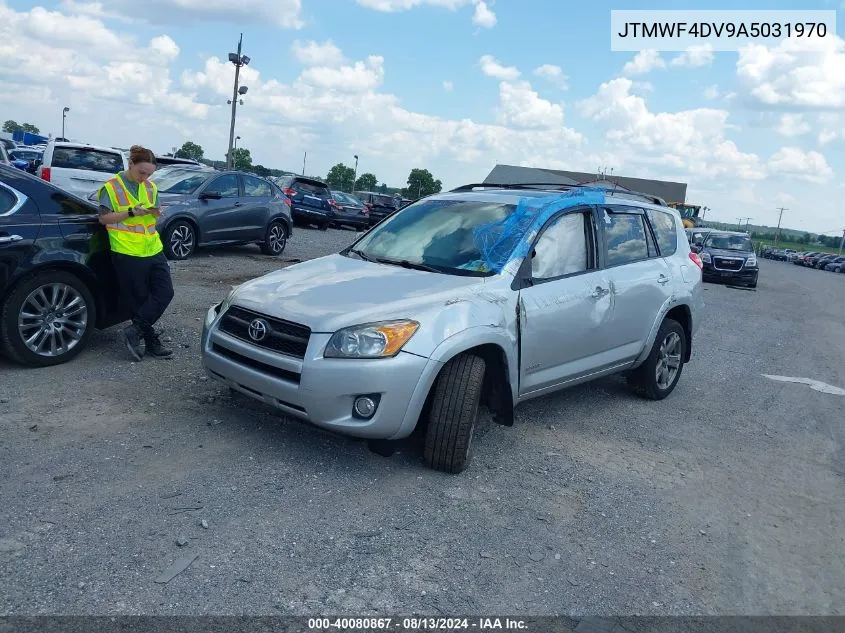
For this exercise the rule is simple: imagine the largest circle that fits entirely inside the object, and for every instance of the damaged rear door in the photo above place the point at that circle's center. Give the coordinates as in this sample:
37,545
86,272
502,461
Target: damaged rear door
565,305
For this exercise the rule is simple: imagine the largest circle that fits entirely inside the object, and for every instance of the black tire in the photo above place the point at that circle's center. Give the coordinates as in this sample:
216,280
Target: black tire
643,380
323,226
453,414
180,240
275,238
81,322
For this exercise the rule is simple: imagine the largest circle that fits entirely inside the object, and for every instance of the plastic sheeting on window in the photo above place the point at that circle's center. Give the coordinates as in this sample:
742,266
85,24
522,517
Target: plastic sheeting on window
503,241
562,249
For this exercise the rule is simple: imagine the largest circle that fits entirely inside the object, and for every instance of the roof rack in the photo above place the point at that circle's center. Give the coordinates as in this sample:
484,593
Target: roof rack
556,186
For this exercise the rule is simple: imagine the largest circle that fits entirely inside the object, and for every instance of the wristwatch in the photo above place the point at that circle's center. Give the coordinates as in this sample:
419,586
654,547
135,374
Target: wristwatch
131,213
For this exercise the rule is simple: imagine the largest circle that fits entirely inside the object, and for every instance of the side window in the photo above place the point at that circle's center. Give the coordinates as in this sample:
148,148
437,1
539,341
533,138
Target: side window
562,248
666,231
226,186
626,238
7,201
256,187
70,205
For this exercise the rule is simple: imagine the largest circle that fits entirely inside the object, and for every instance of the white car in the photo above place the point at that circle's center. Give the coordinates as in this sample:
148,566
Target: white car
80,168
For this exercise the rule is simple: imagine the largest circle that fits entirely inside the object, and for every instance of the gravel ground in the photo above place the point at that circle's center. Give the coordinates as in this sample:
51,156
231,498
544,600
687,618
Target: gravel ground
726,498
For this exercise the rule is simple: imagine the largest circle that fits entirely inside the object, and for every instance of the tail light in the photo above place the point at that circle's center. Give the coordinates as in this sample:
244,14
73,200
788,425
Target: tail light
45,173
696,260
287,201
333,204
289,192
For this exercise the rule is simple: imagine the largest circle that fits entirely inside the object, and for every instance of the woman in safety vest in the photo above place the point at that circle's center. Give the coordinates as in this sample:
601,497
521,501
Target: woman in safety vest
129,210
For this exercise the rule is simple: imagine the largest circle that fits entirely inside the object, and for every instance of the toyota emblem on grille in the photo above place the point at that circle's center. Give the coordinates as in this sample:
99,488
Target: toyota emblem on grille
258,330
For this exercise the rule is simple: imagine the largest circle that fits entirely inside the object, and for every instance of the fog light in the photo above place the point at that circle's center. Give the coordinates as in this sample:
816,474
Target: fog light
364,407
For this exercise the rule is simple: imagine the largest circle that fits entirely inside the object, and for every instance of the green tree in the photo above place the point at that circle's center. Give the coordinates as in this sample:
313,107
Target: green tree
340,177
29,127
421,183
190,150
261,170
382,188
242,159
366,182
11,126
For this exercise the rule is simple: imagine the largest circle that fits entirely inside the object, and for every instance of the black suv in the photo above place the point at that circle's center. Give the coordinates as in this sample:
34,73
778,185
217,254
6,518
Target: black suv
311,200
56,280
728,256
381,205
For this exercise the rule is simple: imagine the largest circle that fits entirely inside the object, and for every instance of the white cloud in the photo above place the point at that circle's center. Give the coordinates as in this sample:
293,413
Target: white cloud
832,127
690,142
520,106
312,53
644,62
284,13
393,6
788,76
792,125
360,77
694,57
448,86
810,166
483,16
552,73
492,68
711,92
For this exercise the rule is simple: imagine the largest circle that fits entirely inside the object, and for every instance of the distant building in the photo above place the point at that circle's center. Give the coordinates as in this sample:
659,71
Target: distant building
511,175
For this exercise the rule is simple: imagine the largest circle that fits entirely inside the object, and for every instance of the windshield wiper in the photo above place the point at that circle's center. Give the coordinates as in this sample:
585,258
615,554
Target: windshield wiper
362,255
406,264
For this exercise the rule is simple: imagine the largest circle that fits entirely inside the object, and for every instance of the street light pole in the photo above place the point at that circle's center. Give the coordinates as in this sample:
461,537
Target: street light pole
238,60
355,176
65,110
842,242
777,236
304,156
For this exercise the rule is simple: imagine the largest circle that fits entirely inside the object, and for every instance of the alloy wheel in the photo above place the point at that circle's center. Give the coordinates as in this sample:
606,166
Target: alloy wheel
182,240
53,319
668,360
277,238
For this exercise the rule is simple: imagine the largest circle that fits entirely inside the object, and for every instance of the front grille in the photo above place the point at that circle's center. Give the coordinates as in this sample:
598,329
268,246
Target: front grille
724,263
282,336
277,372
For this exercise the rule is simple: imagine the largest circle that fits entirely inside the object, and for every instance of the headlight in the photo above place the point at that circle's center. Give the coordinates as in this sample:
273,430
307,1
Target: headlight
751,262
372,340
705,257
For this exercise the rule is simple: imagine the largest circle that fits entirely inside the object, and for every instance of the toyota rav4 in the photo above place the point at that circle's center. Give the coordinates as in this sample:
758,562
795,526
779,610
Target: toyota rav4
488,295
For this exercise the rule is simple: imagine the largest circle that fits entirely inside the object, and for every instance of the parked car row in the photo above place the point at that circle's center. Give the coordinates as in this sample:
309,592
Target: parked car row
779,254
822,261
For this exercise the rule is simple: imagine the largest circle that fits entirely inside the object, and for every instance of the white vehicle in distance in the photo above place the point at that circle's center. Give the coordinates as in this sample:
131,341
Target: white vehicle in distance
79,168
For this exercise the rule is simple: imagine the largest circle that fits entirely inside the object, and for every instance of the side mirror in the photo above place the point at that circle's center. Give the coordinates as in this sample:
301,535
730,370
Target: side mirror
210,195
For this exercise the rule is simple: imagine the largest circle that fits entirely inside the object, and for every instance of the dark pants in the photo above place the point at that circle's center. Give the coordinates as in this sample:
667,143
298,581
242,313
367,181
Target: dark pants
145,287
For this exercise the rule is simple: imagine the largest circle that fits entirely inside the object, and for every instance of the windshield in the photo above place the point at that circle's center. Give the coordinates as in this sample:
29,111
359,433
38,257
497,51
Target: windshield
435,233
729,242
184,181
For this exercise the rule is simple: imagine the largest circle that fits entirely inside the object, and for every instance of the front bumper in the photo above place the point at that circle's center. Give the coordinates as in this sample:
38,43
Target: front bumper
745,275
320,390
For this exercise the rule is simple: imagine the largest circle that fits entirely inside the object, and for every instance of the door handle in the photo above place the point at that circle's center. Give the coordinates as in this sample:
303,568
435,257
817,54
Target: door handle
662,279
599,292
8,239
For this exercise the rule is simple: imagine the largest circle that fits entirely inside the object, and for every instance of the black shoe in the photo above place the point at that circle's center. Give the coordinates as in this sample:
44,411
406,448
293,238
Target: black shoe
155,348
133,342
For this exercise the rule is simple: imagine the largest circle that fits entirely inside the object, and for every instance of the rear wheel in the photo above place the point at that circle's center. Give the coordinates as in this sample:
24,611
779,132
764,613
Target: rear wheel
454,412
275,239
47,319
657,377
180,240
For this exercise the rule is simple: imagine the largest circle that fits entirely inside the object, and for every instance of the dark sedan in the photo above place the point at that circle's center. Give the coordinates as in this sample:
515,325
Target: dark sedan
56,280
350,211
217,208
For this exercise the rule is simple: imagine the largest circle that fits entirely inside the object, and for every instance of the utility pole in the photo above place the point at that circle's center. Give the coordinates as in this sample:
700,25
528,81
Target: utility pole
842,242
303,163
777,235
238,60
355,176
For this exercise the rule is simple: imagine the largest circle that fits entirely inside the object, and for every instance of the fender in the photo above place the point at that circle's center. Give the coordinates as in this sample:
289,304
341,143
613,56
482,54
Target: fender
670,304
181,215
285,220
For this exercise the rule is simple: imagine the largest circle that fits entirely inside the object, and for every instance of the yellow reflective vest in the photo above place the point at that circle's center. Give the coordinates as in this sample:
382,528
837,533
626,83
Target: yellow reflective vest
134,236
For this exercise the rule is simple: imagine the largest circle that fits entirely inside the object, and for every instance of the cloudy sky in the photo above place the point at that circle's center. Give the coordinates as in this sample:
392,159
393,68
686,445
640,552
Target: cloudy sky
455,86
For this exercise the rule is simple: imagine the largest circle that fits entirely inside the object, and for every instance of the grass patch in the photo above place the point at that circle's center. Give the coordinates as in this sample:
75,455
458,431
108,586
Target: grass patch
801,248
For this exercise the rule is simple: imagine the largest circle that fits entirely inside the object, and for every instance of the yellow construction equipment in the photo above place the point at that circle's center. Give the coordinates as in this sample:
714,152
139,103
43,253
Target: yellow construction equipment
689,213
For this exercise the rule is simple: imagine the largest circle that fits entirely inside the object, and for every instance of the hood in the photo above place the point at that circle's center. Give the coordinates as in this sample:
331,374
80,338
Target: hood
721,252
333,292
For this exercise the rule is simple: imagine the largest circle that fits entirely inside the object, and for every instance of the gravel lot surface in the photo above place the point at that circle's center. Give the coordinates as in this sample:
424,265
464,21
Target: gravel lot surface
726,498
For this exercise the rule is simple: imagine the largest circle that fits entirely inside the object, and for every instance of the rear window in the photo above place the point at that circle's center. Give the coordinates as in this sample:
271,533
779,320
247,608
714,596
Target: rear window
87,159
665,231
308,187
384,201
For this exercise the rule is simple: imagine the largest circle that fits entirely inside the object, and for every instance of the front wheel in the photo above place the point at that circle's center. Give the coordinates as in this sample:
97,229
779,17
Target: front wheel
275,239
454,411
180,240
657,377
47,319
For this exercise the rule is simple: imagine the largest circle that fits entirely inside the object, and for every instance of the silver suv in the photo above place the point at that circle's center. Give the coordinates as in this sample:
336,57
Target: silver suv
483,296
